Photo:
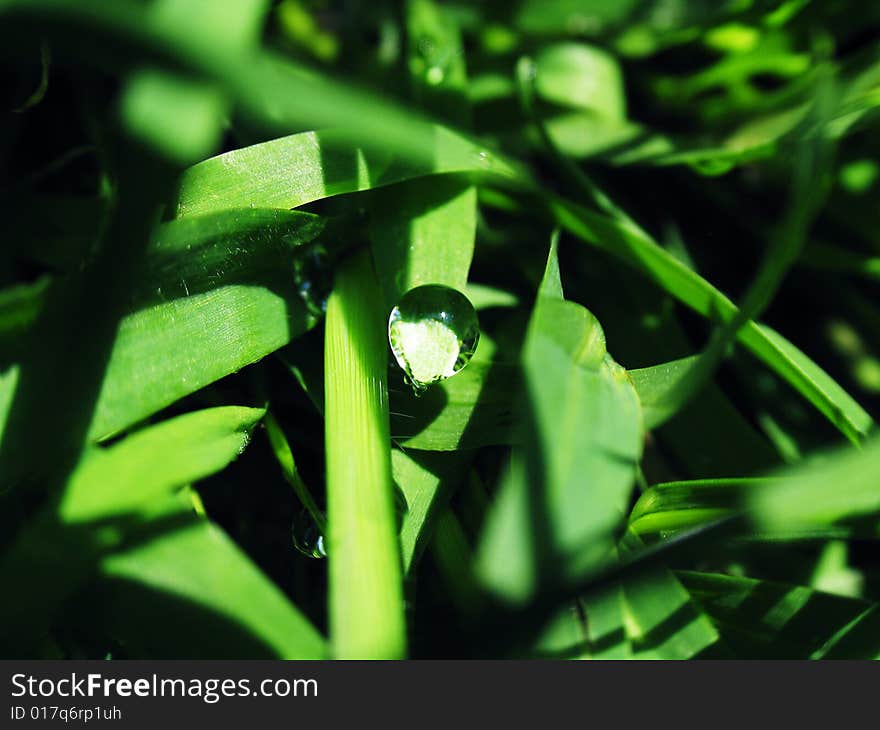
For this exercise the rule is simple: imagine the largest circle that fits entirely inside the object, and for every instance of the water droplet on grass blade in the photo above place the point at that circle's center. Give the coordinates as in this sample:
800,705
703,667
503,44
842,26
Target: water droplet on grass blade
313,277
307,537
433,332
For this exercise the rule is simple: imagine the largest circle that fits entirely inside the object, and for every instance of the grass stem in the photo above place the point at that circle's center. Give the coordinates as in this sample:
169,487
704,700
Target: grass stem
366,589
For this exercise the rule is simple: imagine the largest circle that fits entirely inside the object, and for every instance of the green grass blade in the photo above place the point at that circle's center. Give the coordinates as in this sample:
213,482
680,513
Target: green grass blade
265,86
427,481
473,409
636,248
680,505
764,619
173,593
284,456
291,171
213,295
366,594
655,384
660,619
794,503
837,492
583,427
422,232
149,463
229,305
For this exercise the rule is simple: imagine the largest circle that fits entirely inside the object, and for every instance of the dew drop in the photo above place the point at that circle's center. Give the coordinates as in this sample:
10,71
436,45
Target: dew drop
433,332
307,537
313,278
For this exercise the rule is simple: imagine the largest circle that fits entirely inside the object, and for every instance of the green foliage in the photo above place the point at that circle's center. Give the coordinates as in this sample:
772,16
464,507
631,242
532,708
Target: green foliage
667,452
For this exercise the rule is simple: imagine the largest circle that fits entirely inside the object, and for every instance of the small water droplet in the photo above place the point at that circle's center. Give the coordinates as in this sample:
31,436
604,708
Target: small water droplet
307,537
433,332
313,278
483,159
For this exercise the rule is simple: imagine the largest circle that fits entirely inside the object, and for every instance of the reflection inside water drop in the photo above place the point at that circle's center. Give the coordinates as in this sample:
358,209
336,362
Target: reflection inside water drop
433,332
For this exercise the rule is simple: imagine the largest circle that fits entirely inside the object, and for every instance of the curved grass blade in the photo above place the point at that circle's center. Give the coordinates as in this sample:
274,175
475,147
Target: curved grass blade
834,495
149,463
679,505
196,582
291,171
635,247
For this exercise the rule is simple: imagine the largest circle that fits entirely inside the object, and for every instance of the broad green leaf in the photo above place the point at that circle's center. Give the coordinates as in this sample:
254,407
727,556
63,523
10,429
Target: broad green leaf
165,352
149,463
710,436
566,491
763,619
252,84
196,578
487,297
